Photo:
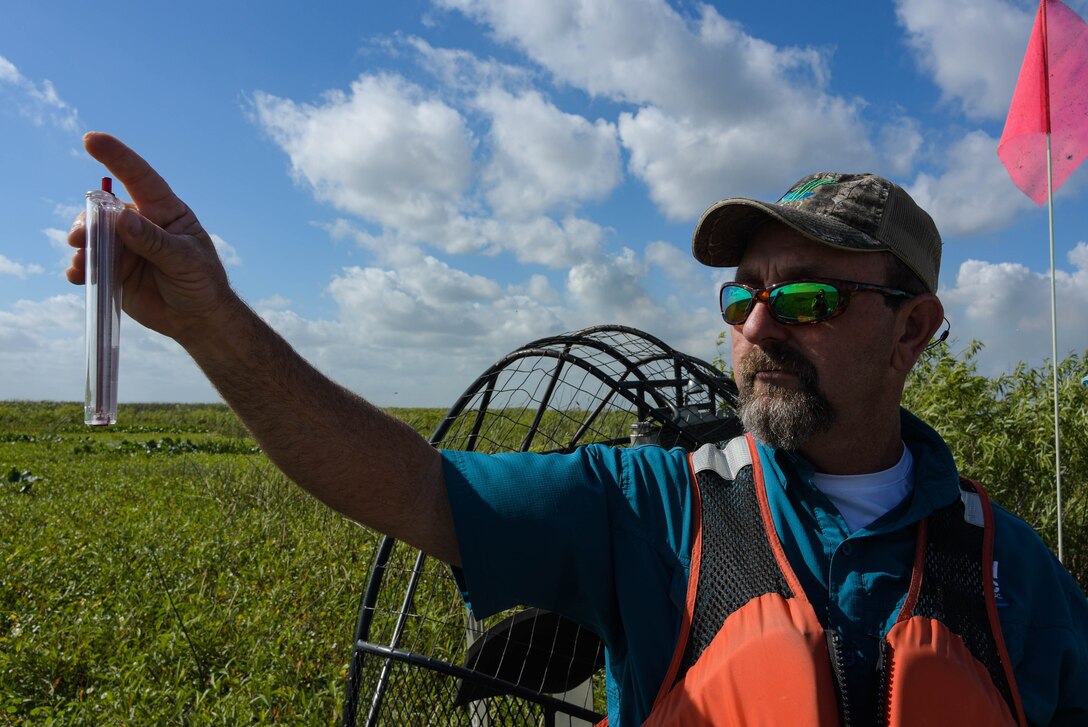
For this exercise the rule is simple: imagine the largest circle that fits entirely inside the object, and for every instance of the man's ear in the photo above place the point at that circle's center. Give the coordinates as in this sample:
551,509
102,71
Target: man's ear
916,321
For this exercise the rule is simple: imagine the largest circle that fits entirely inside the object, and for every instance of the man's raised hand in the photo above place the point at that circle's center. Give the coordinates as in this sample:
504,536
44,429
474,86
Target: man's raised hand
173,279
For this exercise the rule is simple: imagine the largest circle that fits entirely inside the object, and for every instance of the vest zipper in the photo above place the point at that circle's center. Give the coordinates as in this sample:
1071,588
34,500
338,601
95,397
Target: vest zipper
838,671
884,684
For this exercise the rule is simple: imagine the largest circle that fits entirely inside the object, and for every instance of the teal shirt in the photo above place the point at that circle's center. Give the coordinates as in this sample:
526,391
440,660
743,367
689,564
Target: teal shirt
604,536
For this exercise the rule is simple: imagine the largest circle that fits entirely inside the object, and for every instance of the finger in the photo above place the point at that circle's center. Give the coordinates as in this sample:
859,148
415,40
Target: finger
148,190
77,271
77,236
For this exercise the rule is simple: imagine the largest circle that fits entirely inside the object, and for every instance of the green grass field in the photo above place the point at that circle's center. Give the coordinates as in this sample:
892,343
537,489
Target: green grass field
162,571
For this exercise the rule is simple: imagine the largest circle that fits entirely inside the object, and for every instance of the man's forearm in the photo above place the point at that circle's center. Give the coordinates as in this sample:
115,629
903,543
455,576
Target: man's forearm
348,453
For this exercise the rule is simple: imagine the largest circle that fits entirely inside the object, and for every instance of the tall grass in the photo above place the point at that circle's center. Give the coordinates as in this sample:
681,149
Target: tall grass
164,572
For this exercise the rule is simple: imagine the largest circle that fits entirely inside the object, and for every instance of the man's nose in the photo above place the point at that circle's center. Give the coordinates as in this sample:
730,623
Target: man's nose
761,326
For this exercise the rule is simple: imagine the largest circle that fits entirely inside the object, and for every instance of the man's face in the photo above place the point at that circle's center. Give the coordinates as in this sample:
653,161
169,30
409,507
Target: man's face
801,381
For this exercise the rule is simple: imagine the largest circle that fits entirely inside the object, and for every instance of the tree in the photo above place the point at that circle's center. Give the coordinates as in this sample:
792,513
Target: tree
1001,431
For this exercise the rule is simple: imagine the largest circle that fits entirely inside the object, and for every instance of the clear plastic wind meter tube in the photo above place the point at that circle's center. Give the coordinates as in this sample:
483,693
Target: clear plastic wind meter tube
103,281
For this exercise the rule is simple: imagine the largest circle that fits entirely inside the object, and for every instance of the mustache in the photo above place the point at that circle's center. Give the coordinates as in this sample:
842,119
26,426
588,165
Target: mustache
775,358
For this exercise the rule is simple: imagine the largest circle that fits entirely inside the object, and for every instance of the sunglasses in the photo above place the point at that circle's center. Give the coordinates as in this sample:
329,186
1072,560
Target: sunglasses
796,302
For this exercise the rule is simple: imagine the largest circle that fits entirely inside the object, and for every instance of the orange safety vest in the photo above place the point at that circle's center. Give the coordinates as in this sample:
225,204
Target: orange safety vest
751,650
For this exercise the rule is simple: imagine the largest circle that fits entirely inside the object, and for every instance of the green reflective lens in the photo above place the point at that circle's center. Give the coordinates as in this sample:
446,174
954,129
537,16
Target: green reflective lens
804,302
736,302
797,301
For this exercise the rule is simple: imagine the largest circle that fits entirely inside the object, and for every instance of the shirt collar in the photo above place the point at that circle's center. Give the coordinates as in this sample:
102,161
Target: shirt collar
936,479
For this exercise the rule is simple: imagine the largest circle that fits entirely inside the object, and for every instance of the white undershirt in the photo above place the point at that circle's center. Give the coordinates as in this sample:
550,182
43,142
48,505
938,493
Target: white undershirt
861,499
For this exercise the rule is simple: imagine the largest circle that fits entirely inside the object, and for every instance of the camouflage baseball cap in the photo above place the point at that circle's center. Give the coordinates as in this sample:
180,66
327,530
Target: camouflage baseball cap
861,212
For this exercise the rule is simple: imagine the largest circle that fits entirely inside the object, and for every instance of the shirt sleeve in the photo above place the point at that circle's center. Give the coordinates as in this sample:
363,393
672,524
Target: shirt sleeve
569,532
1044,617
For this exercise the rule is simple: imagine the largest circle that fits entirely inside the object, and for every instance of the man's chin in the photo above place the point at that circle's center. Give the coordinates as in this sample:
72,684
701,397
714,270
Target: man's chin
771,390
782,417
778,380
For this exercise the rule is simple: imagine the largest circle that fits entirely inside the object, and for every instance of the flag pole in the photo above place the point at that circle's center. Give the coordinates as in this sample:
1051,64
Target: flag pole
1054,348
1053,286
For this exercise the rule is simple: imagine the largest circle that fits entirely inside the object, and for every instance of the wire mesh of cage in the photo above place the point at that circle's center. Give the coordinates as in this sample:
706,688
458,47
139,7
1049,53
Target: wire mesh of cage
420,658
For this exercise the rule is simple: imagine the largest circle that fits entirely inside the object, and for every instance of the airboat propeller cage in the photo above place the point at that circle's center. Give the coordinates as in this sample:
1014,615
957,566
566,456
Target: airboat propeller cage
419,656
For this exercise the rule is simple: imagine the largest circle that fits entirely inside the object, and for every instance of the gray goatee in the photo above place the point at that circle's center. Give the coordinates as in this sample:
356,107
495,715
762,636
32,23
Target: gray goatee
782,417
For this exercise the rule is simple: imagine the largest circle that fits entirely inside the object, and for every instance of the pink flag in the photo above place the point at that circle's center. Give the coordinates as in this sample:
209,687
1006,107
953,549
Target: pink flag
1059,44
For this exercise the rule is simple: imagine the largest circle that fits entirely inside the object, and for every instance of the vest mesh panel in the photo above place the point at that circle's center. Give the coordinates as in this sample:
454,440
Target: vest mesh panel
736,563
953,591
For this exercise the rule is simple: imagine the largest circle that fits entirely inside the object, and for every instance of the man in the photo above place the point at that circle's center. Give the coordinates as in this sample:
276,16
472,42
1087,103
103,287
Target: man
828,568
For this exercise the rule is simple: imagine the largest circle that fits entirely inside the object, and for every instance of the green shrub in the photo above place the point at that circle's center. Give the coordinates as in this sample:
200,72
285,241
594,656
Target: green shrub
1001,431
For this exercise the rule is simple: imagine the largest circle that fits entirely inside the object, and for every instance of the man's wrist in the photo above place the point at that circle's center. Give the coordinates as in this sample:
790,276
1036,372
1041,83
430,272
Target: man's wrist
222,332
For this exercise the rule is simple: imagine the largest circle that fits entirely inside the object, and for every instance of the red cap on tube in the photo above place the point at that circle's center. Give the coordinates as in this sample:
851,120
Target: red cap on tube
107,185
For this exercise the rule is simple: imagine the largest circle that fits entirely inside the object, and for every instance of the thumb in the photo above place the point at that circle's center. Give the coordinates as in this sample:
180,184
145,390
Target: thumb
141,236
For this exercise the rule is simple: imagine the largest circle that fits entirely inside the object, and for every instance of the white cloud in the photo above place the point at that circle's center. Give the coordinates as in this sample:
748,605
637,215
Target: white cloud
8,72
543,158
1078,256
538,289
58,239
226,252
644,52
899,143
616,289
19,270
37,101
66,212
431,304
156,369
424,331
383,150
429,330
541,240
415,335
680,267
545,241
463,70
610,287
1007,307
974,194
688,164
972,49
40,318
388,248
273,303
44,343
42,348
393,155
720,112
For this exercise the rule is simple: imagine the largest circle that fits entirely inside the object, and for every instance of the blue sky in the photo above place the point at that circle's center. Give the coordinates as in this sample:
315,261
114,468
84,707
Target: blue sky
407,191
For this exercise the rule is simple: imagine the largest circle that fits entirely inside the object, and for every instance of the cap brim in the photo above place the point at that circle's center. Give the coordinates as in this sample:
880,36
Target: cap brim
725,229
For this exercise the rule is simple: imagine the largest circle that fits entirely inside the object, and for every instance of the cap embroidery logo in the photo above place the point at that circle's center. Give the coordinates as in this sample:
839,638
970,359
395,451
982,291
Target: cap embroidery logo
804,191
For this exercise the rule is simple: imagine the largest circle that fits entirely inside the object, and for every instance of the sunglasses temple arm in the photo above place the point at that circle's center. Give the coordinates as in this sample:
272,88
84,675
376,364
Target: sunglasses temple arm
941,338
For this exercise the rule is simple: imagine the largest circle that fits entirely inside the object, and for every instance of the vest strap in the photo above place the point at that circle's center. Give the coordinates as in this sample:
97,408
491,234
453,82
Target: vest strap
726,462
972,508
